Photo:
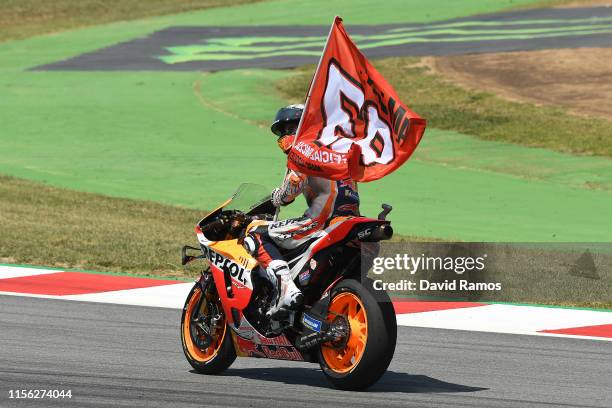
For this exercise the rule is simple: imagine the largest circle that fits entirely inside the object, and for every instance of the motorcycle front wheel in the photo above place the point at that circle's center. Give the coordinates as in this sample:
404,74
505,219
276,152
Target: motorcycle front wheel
220,354
360,360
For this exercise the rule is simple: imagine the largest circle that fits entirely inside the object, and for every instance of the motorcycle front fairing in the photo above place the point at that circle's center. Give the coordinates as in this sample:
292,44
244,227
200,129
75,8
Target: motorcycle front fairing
230,263
232,269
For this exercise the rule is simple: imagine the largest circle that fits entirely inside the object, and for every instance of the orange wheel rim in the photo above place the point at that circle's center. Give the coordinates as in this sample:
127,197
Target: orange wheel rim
201,355
343,359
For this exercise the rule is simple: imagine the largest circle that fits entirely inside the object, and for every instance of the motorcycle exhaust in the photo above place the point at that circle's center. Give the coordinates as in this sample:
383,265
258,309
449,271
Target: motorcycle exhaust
312,340
382,232
375,234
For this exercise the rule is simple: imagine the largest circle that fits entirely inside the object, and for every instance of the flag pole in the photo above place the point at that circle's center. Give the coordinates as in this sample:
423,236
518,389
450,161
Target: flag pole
314,79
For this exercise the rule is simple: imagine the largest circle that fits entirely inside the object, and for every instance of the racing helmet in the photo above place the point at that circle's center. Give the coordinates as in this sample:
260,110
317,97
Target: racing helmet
286,120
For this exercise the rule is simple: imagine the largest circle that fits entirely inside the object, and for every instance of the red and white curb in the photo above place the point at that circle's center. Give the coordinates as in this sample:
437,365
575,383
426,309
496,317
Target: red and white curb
89,287
495,318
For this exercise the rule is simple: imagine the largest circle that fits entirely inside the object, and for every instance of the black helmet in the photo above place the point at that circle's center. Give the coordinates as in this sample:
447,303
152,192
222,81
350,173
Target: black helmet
289,115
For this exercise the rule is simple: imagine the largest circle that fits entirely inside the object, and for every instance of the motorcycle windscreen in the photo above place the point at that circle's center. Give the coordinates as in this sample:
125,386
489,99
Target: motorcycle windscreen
250,198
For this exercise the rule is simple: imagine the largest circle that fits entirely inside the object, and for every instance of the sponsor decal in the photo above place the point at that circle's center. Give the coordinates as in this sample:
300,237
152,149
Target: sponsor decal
350,208
280,353
311,323
299,230
319,156
304,277
351,194
236,271
275,341
284,223
296,158
246,348
347,183
248,333
365,233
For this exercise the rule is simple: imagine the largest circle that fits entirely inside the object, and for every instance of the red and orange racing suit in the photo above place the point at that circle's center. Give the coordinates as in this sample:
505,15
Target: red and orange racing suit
325,198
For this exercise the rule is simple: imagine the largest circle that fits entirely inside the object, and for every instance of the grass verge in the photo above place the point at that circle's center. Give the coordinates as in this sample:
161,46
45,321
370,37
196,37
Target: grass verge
42,225
26,18
484,115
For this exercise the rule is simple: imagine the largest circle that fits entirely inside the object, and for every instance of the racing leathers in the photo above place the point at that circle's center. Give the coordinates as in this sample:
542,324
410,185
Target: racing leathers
326,199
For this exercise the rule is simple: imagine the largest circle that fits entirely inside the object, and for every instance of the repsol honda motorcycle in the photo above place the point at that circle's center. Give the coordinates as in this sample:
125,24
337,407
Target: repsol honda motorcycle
344,325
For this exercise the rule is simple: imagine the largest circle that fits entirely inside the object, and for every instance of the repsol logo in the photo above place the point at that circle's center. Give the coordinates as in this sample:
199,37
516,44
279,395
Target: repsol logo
235,270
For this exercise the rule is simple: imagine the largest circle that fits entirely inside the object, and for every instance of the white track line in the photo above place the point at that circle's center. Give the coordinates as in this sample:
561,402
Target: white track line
507,319
168,296
7,272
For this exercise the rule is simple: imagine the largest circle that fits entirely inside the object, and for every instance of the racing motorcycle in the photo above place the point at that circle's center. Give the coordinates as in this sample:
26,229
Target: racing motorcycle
343,324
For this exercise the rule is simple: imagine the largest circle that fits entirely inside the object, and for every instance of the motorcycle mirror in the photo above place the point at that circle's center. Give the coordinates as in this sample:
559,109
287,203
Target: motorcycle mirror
185,259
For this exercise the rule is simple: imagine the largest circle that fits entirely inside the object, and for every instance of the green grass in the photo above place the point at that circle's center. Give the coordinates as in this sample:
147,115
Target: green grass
484,115
190,139
27,18
48,226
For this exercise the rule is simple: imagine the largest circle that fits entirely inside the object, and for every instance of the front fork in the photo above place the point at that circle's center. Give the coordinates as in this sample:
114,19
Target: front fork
205,324
204,283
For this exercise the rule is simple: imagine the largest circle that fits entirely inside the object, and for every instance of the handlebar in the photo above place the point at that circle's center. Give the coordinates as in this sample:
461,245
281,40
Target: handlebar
234,221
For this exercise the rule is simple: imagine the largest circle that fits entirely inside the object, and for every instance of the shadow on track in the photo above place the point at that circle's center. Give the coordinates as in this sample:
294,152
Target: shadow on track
391,382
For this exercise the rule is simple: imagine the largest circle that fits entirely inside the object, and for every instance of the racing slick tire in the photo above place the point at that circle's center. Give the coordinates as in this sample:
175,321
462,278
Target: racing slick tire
215,358
360,360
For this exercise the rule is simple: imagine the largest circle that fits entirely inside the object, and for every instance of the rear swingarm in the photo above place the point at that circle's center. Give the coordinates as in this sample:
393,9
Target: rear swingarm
320,331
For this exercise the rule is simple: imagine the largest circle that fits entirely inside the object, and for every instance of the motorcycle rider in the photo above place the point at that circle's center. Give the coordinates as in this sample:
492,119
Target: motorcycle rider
325,199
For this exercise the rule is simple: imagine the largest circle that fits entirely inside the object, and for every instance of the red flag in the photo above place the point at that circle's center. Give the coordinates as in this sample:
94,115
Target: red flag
354,124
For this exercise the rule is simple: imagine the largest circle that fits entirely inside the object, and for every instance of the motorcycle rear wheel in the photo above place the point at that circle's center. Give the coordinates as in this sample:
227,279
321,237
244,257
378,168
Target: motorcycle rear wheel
217,357
363,358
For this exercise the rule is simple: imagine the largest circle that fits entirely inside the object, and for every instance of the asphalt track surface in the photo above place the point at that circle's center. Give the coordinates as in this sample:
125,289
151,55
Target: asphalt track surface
114,355
220,48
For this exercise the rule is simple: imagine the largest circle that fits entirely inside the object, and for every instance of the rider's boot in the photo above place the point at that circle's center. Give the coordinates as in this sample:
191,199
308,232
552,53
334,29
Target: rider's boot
288,297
